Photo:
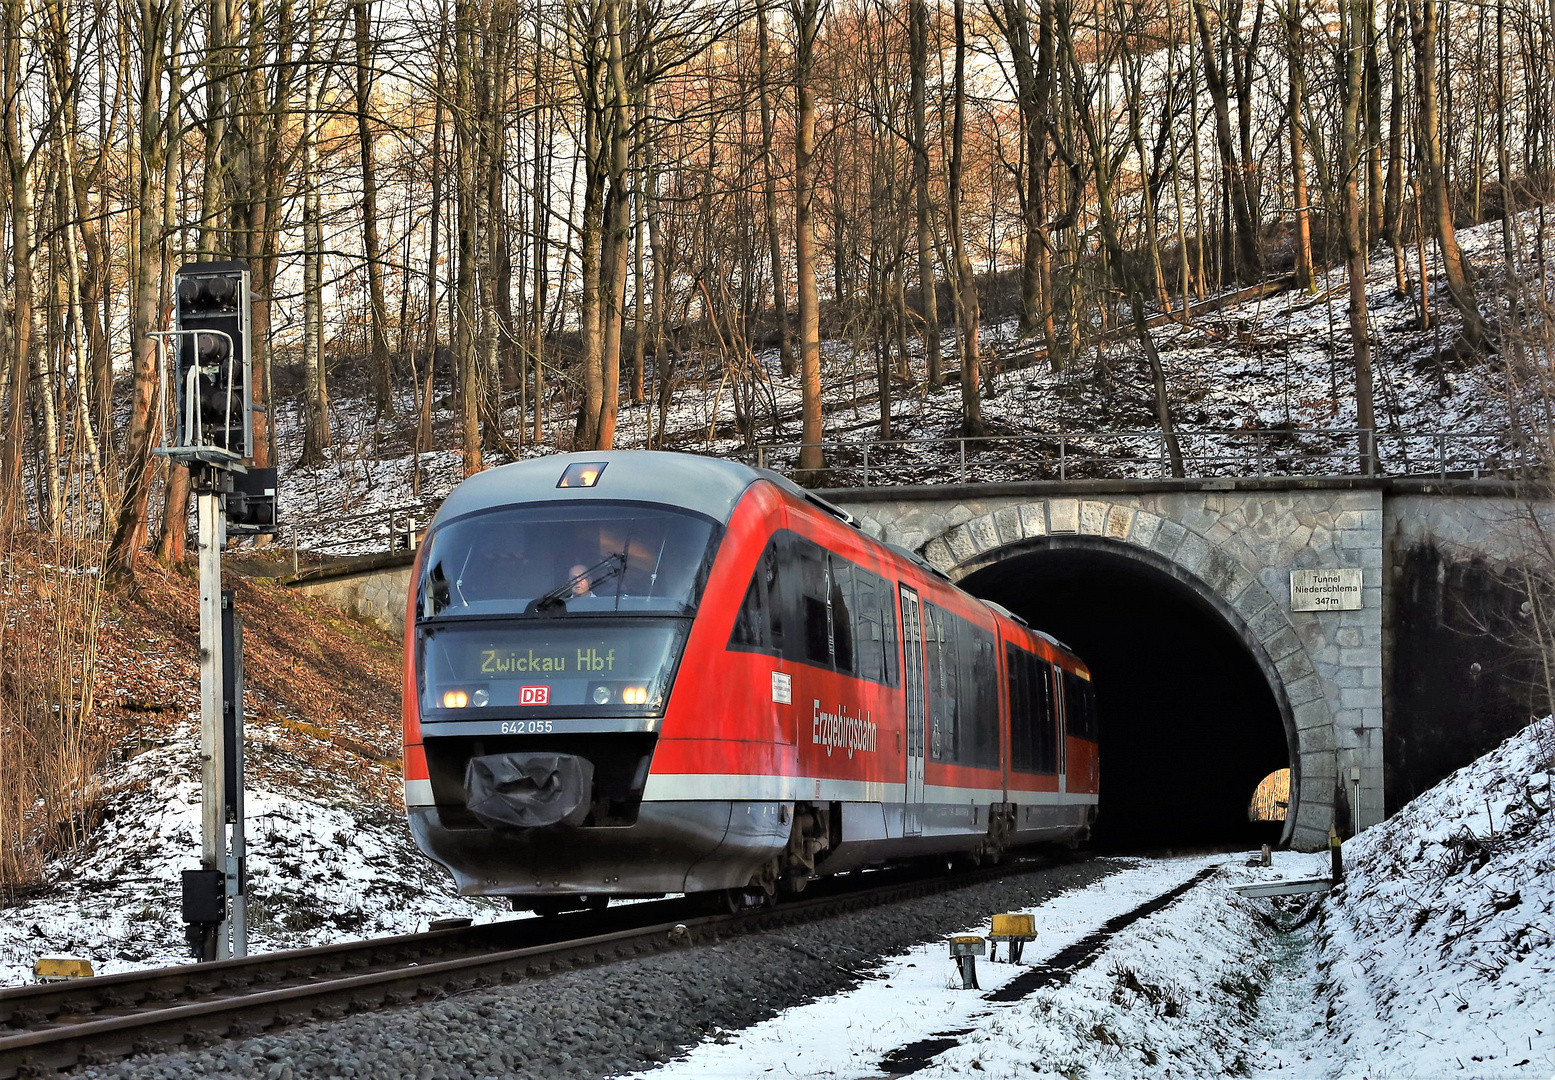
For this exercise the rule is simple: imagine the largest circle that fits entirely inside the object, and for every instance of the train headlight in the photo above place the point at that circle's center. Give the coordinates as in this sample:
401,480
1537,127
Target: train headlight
635,695
481,697
601,695
455,699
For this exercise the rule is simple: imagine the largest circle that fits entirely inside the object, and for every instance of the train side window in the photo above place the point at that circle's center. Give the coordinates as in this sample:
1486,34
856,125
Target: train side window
939,637
885,593
810,606
759,623
977,708
1033,733
1017,677
813,592
1079,707
1047,716
866,612
842,608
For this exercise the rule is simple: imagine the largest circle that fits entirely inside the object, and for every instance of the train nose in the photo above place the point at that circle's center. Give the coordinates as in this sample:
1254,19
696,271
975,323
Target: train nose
529,789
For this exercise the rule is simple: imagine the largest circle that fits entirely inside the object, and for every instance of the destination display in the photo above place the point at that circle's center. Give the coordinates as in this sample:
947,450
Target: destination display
550,667
1325,590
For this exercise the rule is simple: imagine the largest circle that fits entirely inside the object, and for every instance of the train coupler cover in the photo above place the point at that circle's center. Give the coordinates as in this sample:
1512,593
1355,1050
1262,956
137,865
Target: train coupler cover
529,790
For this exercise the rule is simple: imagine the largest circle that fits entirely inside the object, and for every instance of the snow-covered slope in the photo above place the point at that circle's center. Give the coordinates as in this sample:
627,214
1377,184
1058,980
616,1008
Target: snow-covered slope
1435,957
322,868
1438,953
1271,377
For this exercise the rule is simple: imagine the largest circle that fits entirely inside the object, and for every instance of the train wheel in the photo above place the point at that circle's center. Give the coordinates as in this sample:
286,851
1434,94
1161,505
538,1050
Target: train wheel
734,901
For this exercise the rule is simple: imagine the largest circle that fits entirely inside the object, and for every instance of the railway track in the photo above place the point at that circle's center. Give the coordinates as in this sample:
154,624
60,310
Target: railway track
52,1027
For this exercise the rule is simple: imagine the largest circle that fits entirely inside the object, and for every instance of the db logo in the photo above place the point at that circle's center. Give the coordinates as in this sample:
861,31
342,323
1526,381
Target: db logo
534,695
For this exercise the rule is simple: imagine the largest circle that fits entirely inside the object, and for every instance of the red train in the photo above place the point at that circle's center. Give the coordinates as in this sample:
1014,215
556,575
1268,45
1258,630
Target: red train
632,673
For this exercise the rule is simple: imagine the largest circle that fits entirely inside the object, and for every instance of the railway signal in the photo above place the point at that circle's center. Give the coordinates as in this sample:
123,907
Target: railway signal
206,355
211,334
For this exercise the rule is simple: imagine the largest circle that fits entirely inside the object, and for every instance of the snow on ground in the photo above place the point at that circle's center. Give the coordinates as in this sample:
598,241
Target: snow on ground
321,869
917,994
1435,957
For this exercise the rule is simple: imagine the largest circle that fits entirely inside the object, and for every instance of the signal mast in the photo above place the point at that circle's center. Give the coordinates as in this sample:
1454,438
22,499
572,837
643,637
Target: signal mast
212,433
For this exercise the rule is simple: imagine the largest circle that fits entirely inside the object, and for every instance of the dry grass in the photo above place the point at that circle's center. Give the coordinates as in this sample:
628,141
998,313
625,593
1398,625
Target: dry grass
89,676
51,745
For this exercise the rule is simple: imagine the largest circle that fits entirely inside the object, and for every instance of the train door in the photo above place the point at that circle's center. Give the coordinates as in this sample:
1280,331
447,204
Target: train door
1060,717
912,681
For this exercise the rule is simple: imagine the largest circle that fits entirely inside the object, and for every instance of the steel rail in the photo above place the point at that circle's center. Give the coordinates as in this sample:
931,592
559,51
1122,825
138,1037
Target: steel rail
214,1007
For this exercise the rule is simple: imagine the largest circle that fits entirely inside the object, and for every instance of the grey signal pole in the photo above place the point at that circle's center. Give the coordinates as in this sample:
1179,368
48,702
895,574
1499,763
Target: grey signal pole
213,748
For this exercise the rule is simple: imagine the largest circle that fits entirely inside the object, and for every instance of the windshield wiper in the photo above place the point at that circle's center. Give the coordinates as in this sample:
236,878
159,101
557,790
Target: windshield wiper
612,565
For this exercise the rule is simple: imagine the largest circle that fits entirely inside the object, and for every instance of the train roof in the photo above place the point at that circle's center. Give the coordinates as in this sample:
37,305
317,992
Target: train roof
705,485
709,486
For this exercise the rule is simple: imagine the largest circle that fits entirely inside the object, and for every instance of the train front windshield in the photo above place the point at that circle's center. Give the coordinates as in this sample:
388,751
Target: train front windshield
561,609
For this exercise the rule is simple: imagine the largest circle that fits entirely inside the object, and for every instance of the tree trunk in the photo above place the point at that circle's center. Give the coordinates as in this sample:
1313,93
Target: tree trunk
1350,150
130,530
1457,271
1101,169
316,433
769,194
382,375
1248,247
928,296
1306,278
617,224
965,283
807,15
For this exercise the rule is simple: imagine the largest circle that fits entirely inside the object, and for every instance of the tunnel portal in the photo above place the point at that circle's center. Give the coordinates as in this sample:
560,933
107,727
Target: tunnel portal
1189,723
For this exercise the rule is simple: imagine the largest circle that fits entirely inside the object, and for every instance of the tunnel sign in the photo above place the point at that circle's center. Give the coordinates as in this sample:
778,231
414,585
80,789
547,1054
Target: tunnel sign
1325,590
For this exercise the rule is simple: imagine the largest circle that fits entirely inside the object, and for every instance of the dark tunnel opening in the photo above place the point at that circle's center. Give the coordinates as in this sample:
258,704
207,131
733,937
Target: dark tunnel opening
1189,725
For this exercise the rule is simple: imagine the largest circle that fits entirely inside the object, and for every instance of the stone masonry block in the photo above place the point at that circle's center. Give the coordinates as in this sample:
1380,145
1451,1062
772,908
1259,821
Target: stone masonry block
1268,622
1282,644
1063,515
983,533
1308,838
1167,537
1093,518
1360,657
1240,579
956,515
1293,667
1218,571
1033,521
1311,714
961,545
1316,787
1119,519
1304,690
1145,526
1361,697
937,552
1252,600
1007,524
1317,740
1192,553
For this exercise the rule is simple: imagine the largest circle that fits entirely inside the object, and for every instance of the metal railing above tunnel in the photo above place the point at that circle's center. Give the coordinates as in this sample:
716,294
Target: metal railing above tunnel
1143,455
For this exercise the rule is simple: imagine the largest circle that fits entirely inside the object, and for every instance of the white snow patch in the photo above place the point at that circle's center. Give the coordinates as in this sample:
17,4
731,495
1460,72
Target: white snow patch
1435,957
321,869
1438,953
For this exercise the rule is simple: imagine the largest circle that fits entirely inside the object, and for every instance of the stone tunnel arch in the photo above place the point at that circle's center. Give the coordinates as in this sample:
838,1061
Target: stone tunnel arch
1214,573
1201,749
